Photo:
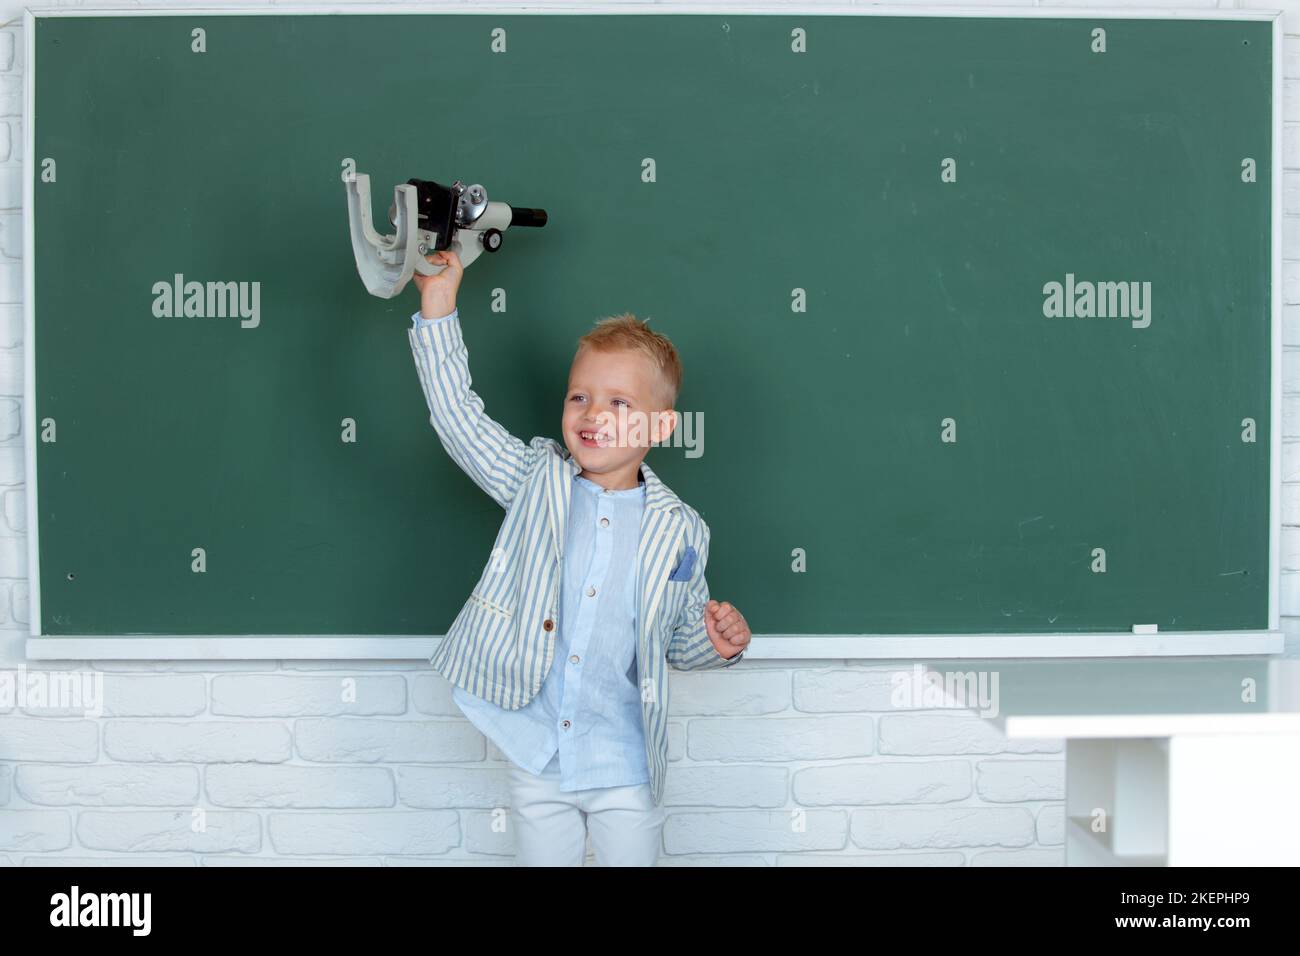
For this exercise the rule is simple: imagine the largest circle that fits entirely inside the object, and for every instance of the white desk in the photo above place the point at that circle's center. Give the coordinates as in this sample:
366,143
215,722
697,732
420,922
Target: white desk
1165,762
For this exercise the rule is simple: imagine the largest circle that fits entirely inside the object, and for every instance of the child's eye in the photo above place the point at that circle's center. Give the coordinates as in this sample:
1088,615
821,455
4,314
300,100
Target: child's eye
620,400
576,398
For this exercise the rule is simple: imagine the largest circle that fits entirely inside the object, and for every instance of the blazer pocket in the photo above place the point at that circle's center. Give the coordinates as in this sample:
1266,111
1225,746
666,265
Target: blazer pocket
489,605
685,566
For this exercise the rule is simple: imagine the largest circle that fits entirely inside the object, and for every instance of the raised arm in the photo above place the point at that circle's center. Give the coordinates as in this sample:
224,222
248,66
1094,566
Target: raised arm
496,460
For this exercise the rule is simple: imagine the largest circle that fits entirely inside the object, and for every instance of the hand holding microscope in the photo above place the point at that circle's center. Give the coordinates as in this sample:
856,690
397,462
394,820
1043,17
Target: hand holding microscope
428,217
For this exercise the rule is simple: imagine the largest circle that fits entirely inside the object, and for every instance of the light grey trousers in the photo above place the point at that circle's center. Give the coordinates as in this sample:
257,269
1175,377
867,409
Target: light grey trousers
551,826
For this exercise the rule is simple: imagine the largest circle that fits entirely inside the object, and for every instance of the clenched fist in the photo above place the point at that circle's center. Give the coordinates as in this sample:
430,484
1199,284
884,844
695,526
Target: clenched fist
726,628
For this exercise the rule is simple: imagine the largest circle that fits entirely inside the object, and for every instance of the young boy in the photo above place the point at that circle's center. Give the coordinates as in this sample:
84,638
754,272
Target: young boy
596,580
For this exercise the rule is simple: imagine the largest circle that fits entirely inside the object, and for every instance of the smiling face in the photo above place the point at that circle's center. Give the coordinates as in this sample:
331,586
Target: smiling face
613,409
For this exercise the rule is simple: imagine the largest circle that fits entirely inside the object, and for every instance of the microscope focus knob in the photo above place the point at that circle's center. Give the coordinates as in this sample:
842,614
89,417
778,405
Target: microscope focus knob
471,204
492,239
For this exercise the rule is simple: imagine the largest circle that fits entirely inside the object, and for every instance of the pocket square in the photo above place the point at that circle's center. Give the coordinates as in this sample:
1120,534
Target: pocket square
684,567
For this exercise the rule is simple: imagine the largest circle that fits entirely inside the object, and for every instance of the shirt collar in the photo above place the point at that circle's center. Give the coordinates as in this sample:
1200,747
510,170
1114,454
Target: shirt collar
596,489
657,494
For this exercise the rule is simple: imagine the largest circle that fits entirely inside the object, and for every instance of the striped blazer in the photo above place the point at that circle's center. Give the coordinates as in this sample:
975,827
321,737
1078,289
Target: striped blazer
502,643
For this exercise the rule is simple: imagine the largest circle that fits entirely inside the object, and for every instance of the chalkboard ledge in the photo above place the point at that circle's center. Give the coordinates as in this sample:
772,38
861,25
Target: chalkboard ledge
221,647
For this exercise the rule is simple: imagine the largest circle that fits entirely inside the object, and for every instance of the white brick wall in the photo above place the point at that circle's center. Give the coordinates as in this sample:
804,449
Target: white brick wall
250,763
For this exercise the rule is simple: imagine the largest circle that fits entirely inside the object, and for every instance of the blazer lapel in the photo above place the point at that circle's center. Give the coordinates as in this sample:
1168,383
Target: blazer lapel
661,532
559,493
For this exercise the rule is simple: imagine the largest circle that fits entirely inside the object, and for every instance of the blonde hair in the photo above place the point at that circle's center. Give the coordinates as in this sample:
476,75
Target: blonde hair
626,331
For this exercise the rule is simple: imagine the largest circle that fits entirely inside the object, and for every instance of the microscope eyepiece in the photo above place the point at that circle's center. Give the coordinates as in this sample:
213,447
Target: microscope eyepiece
523,216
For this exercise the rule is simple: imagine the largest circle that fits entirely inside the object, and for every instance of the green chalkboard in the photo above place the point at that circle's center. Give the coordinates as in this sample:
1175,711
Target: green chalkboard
847,227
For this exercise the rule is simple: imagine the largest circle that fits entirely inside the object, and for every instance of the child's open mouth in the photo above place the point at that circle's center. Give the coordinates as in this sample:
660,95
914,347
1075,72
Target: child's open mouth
594,439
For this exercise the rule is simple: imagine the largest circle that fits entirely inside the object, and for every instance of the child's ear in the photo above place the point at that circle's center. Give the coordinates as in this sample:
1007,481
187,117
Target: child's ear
665,422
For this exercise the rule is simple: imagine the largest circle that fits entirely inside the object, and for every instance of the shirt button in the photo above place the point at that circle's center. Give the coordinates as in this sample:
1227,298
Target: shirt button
573,658
604,522
591,592
564,724
548,625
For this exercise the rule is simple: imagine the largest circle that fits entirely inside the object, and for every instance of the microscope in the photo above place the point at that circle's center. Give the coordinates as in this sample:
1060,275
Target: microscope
428,217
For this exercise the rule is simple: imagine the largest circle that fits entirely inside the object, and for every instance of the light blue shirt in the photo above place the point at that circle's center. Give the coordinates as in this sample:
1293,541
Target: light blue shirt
587,715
